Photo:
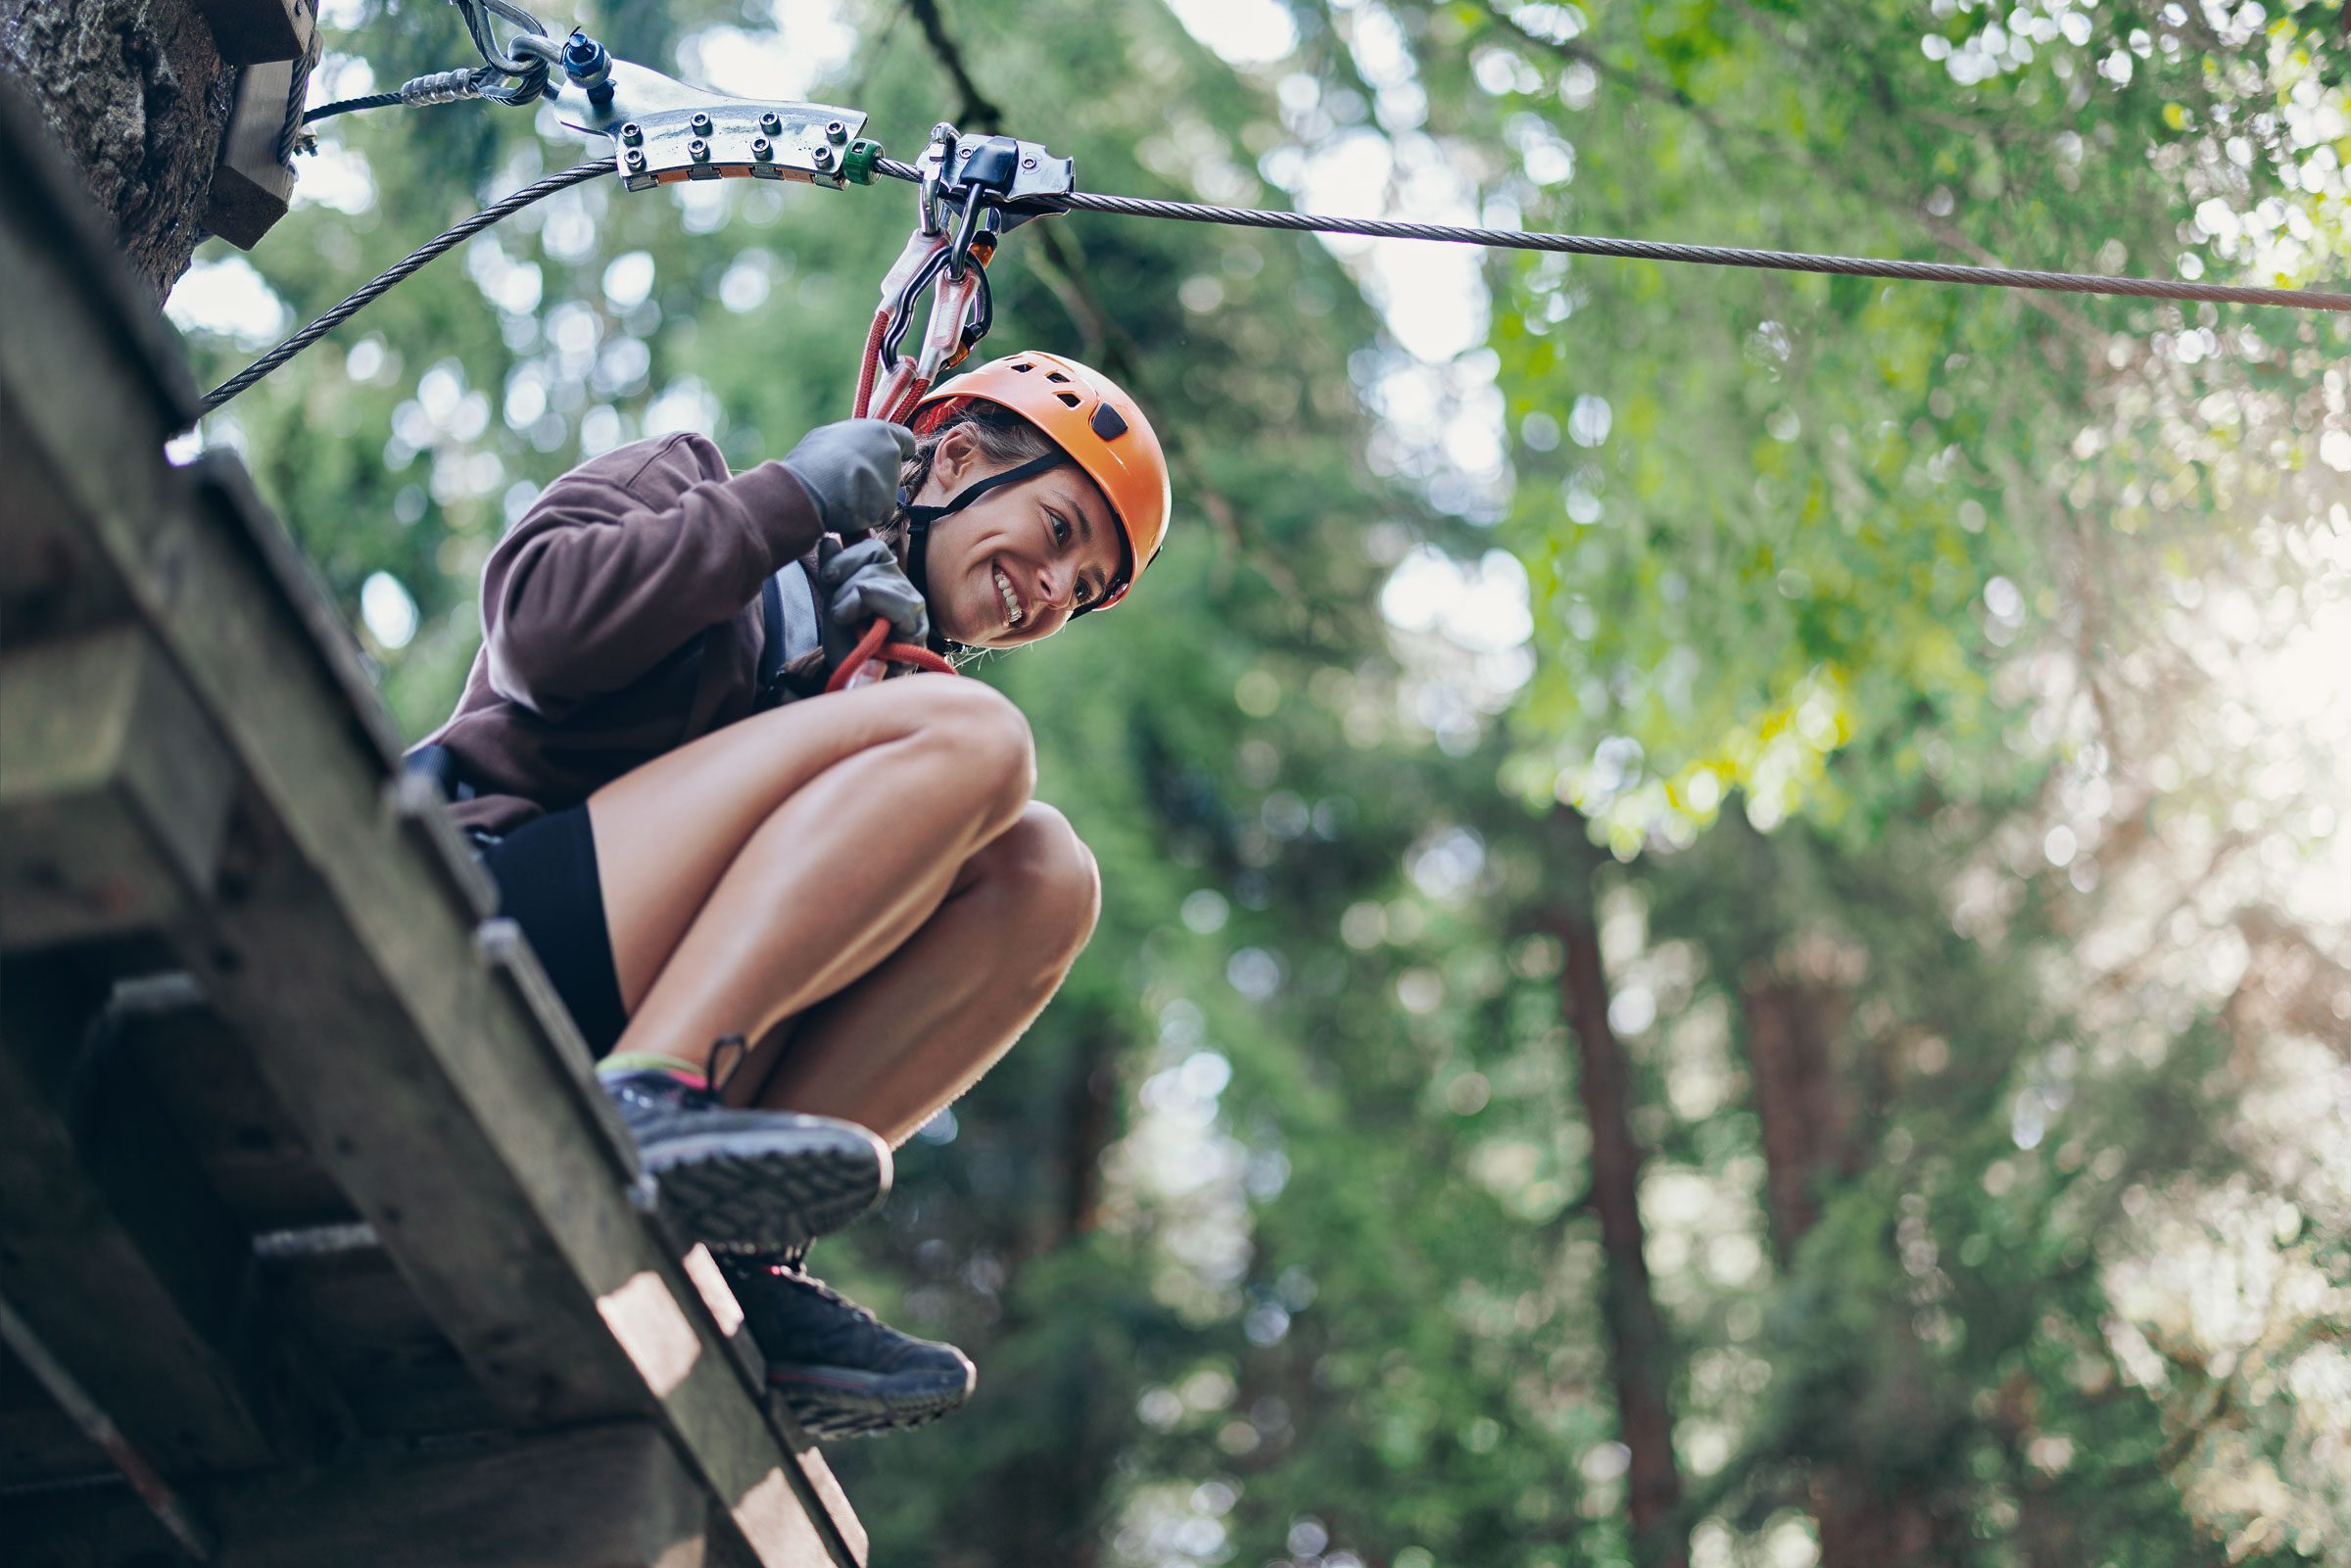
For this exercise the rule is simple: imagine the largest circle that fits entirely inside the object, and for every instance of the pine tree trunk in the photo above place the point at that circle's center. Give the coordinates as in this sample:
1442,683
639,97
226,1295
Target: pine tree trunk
1638,1353
136,93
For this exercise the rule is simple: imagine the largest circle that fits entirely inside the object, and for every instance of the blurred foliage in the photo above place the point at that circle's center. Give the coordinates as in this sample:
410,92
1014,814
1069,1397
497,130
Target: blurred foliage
1927,658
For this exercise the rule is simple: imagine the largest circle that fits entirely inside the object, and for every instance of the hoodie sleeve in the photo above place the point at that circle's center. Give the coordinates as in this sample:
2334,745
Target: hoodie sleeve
625,559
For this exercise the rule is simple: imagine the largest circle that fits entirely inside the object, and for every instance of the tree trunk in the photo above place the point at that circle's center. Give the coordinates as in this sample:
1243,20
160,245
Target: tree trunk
138,95
1638,1349
1798,1098
1804,1107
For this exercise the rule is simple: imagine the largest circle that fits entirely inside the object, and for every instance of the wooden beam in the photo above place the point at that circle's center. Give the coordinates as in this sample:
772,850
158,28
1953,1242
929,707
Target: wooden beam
252,184
119,1259
114,791
249,33
51,583
40,1445
394,1368
162,1034
159,1497
611,1497
110,356
461,1126
616,1496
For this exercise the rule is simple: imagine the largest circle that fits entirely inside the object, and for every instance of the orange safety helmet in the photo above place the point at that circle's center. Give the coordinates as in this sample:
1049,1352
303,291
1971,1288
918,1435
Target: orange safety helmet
1089,417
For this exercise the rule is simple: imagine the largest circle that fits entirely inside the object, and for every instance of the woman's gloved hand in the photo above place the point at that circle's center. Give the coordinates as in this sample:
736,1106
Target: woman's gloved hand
851,471
860,581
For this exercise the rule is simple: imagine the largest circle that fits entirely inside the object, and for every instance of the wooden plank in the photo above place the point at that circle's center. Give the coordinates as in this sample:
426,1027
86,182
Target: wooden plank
162,1033
114,791
397,1372
192,1534
92,1525
38,1444
334,948
115,1256
249,33
616,1496
56,248
252,184
224,497
481,1153
613,1497
51,583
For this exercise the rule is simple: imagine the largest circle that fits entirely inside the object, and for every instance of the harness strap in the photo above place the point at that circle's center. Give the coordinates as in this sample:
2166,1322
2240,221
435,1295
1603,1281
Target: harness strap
788,608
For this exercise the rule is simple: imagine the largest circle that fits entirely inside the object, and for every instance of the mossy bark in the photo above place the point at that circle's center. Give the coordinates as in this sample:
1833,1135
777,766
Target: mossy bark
136,93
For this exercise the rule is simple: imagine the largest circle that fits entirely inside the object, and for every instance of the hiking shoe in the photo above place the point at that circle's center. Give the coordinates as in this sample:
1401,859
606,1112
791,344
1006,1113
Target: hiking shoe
840,1370
746,1181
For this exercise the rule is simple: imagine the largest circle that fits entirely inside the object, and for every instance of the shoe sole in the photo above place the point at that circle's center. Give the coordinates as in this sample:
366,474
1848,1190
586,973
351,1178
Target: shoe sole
750,1192
839,1401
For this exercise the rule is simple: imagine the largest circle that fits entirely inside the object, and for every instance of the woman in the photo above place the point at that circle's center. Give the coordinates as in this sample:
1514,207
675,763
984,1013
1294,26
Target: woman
860,882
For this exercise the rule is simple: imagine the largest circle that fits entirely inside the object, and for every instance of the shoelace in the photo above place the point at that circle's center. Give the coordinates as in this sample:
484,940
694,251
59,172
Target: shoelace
715,1083
793,1264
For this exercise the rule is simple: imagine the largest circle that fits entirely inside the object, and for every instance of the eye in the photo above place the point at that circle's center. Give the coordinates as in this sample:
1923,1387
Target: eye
1060,527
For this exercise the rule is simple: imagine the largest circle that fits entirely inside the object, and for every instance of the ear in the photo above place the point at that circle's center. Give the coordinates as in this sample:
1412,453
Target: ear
953,459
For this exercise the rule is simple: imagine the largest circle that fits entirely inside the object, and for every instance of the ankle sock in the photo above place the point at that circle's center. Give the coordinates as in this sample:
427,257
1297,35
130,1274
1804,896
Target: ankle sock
621,1063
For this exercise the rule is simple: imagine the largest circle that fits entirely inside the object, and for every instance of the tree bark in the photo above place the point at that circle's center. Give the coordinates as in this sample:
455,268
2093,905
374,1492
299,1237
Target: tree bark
1798,1098
138,95
1805,1108
1639,1352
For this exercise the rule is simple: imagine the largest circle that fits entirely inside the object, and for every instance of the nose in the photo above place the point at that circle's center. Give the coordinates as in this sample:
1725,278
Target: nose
1057,587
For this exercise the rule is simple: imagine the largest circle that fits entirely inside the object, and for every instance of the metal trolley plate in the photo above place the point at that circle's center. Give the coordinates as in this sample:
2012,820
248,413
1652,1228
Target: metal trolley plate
663,131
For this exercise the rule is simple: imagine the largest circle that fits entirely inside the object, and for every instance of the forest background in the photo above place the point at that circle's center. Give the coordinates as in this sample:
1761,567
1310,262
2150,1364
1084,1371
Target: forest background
1728,930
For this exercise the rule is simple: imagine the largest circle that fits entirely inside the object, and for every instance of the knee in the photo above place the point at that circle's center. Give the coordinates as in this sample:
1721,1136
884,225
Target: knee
1044,881
983,744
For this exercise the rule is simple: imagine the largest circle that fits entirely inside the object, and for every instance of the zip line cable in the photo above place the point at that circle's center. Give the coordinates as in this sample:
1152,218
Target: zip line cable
399,271
1368,227
1662,251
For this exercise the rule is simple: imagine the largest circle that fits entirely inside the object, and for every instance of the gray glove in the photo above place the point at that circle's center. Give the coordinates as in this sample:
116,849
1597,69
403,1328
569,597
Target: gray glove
864,580
851,470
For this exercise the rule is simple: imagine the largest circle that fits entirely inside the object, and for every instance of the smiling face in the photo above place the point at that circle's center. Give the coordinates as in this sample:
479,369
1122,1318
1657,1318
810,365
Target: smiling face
1016,563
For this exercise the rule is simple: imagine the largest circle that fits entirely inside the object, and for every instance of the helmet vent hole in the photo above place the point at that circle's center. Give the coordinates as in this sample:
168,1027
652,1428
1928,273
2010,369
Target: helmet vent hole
1055,375
1069,399
1024,367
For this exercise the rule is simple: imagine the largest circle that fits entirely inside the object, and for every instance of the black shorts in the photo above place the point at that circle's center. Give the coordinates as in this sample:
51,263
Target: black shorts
548,884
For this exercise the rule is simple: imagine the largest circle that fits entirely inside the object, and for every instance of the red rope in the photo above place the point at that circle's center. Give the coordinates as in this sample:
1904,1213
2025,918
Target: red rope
867,647
873,647
872,362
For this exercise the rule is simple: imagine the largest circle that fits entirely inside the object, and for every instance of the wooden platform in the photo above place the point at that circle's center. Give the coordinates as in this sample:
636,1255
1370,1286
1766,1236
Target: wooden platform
318,1244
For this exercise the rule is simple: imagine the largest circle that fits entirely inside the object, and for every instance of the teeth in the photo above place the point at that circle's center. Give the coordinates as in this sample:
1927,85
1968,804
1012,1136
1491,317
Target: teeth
1012,603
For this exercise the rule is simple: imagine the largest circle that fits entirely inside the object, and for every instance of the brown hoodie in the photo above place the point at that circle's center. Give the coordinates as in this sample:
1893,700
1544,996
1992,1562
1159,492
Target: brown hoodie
620,619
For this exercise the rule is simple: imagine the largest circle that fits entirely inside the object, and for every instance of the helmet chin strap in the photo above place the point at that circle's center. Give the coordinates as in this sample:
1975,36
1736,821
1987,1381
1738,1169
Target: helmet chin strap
920,518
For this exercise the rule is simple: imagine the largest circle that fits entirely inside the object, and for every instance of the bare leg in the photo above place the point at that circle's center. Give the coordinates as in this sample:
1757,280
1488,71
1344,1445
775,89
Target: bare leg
767,866
924,1024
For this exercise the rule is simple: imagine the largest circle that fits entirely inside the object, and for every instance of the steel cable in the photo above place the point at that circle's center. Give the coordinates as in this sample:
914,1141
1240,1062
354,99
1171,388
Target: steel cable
577,174
1701,255
345,106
